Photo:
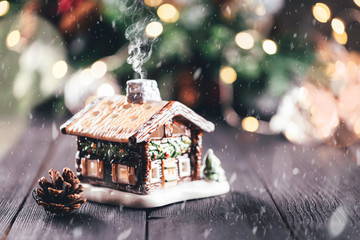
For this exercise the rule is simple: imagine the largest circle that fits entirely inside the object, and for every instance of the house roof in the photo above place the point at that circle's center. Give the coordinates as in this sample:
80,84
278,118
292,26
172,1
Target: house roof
114,119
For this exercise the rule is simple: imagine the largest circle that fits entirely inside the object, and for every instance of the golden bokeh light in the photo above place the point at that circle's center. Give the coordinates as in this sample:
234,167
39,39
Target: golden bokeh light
321,12
105,89
357,127
260,10
4,7
153,29
292,132
357,2
250,124
269,46
13,38
59,69
338,25
340,38
98,69
228,75
168,13
244,40
153,3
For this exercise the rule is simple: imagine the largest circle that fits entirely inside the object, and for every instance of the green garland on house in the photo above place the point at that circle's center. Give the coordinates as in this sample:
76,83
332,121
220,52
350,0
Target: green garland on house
106,150
171,148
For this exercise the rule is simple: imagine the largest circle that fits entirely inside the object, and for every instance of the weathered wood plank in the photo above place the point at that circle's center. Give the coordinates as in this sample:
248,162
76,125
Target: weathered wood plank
316,189
92,221
246,212
18,170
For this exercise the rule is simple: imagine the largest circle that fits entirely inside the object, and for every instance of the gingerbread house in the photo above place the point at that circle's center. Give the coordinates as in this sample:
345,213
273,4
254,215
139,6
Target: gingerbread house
137,143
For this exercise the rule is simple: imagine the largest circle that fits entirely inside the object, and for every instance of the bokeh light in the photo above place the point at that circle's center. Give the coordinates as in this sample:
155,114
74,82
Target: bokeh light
59,69
4,7
13,38
244,40
105,90
357,2
260,10
340,38
269,46
153,3
250,124
98,69
321,12
338,25
228,75
357,127
153,29
168,13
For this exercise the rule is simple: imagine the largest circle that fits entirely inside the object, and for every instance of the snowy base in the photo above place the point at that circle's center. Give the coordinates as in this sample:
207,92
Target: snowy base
157,198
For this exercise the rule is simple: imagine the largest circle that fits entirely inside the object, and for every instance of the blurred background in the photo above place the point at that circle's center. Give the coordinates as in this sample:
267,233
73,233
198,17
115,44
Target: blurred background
264,66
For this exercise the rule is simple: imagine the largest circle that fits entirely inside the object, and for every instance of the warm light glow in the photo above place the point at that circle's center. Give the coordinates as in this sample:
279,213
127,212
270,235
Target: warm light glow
98,69
59,69
153,3
153,29
269,46
321,12
227,75
357,127
105,90
260,10
338,25
292,132
4,7
168,13
340,38
357,2
244,40
13,38
250,124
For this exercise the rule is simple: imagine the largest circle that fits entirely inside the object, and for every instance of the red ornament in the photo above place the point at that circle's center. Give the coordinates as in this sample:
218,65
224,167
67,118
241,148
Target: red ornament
67,5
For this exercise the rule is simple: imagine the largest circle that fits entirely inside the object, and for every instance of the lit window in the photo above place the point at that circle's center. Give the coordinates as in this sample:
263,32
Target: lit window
92,168
155,172
184,166
123,174
170,170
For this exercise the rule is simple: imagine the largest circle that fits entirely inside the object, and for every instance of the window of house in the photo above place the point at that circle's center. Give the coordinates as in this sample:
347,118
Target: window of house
155,172
168,129
123,174
170,169
184,166
158,133
92,168
179,129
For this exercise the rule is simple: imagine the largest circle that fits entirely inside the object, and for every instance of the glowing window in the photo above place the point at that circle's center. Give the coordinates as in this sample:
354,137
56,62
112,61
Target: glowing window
184,166
155,172
92,168
123,174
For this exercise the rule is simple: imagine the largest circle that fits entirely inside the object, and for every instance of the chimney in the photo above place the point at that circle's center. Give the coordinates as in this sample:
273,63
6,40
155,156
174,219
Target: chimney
142,90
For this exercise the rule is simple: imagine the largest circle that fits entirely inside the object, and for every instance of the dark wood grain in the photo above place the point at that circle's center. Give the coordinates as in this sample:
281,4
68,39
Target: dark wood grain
92,221
246,212
316,189
18,170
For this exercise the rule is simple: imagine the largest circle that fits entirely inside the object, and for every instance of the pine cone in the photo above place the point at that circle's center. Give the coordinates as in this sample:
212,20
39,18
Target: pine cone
62,195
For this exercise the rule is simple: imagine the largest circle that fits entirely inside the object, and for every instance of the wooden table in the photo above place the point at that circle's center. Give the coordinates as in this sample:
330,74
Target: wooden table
279,191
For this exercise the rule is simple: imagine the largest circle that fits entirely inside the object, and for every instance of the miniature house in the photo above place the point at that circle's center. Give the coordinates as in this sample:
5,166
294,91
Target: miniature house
137,143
